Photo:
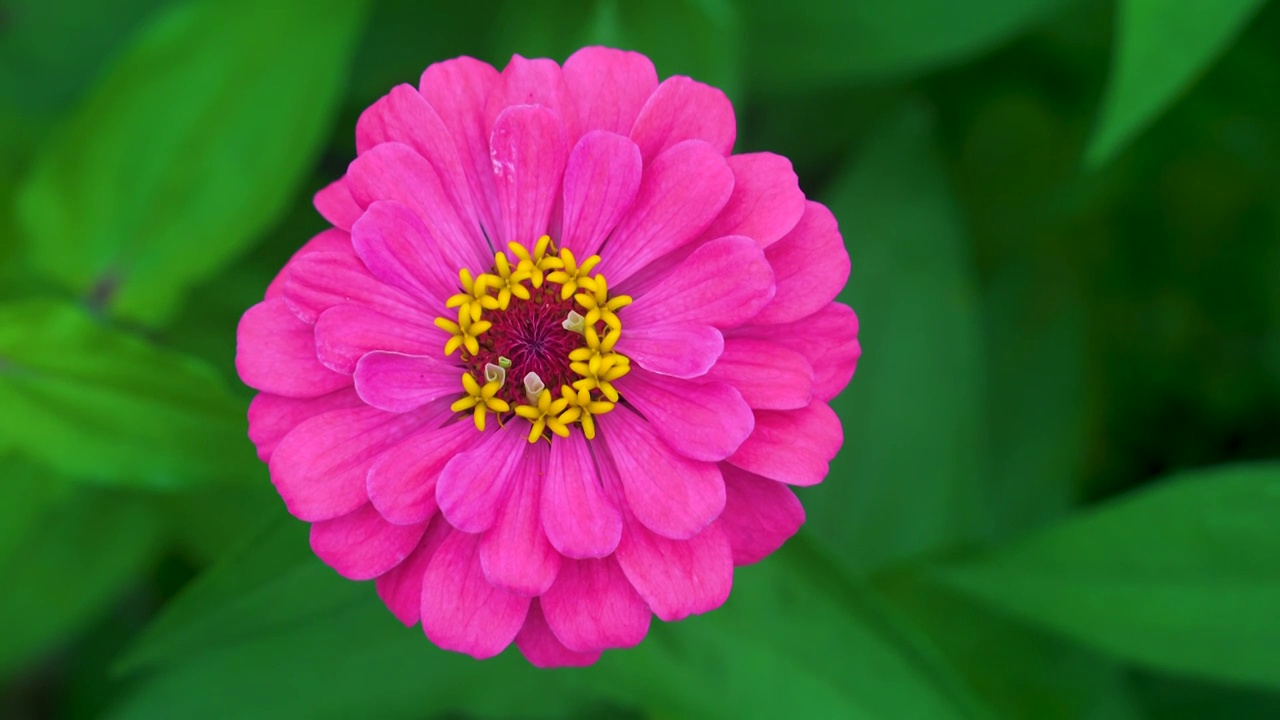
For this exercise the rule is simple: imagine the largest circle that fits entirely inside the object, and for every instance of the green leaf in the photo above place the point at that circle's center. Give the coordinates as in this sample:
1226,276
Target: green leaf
907,481
79,558
1162,46
27,491
828,42
104,406
189,149
1183,576
791,641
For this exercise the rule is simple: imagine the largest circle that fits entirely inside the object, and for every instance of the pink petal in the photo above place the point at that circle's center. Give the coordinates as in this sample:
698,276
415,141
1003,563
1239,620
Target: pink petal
361,545
580,521
677,578
404,116
402,483
327,241
276,353
398,250
723,284
474,485
461,611
334,203
679,350
610,87
319,281
759,514
698,419
681,192
766,203
769,375
593,607
792,446
401,587
684,109
533,82
458,91
600,184
392,171
271,417
811,266
514,552
672,495
345,333
543,649
319,469
400,383
529,154
832,349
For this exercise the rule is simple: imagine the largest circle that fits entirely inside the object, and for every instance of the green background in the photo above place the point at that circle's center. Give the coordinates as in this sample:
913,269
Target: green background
1054,499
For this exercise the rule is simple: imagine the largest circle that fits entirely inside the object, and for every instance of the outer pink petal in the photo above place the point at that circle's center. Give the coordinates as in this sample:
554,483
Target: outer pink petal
766,202
592,606
458,91
402,483
401,587
392,171
792,446
686,350
398,250
682,191
461,611
543,649
811,266
579,519
334,203
833,352
473,486
677,578
534,82
671,494
769,375
276,353
684,109
600,184
345,333
361,545
515,553
271,417
529,153
400,383
698,419
319,281
404,116
759,514
723,283
610,87
327,241
319,469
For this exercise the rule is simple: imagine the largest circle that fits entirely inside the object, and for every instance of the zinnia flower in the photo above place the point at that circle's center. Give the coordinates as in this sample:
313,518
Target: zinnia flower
559,359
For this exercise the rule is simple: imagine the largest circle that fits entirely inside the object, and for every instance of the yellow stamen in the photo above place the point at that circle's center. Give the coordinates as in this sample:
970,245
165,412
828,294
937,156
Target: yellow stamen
544,415
570,274
602,307
480,399
598,370
473,298
536,263
582,408
464,332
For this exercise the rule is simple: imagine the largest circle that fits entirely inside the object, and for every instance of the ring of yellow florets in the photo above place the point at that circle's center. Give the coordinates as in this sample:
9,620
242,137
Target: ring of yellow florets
526,330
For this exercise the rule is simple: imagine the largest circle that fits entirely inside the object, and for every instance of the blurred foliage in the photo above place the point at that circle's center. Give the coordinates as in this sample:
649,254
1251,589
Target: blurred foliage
1064,221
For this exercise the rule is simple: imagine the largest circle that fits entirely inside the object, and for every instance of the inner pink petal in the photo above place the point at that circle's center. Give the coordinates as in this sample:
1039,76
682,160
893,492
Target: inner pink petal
474,484
600,184
361,545
723,283
592,606
770,375
400,383
792,446
609,86
271,417
461,610
684,109
579,519
398,250
699,419
345,333
543,649
766,202
759,514
402,483
529,152
276,353
811,266
515,553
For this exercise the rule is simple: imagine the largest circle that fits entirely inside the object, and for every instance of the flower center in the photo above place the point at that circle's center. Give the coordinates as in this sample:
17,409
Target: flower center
536,339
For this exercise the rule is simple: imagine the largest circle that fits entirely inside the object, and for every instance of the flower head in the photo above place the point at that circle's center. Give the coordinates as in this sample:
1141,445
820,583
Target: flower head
561,350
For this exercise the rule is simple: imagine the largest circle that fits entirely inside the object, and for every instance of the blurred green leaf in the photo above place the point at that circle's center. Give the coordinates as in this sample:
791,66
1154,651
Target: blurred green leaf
1184,575
908,479
79,558
791,641
27,491
828,42
1162,46
191,146
267,587
104,406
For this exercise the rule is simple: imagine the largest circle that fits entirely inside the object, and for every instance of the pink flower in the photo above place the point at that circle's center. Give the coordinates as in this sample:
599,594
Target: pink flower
561,356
